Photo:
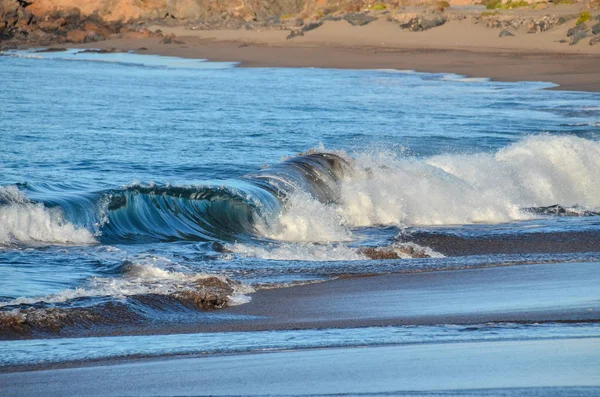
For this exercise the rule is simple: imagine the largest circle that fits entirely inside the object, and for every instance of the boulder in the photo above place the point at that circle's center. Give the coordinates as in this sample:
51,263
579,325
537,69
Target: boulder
581,27
422,22
505,33
359,18
171,39
577,36
596,28
311,26
595,40
294,33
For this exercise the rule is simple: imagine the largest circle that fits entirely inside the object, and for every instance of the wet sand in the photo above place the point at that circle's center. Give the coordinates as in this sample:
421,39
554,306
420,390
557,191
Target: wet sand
551,367
525,293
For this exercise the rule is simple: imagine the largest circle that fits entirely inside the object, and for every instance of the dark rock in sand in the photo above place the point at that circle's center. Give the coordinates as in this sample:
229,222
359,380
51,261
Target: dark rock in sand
421,23
294,33
596,28
99,51
577,36
312,26
53,49
359,18
142,49
582,27
171,39
505,33
595,40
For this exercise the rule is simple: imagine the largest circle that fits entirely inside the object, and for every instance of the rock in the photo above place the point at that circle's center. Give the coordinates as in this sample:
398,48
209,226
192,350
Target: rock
294,33
595,40
92,37
577,36
76,36
171,39
581,27
596,28
52,49
311,26
52,25
142,49
421,23
505,33
138,34
100,51
359,18
293,22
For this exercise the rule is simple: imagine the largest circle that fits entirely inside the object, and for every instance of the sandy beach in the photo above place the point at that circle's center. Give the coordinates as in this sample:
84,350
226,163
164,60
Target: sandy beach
460,47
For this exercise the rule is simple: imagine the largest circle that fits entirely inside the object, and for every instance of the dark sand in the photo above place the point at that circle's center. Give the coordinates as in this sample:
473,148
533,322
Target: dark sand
541,368
524,293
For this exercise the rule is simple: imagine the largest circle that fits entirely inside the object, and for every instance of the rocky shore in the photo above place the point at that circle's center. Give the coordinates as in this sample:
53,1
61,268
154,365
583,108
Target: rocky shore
51,22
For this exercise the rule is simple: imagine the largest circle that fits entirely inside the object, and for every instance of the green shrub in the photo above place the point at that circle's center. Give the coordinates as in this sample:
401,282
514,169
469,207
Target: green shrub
492,4
497,4
488,14
378,7
558,2
442,4
514,4
583,17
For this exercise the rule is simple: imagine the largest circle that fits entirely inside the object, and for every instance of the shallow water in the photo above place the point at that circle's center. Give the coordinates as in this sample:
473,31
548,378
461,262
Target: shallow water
127,180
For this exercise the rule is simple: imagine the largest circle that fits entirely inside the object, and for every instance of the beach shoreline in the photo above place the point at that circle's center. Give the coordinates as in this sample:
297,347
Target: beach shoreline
481,368
461,48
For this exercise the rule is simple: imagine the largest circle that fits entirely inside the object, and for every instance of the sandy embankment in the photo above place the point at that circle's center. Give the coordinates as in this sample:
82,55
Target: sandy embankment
461,47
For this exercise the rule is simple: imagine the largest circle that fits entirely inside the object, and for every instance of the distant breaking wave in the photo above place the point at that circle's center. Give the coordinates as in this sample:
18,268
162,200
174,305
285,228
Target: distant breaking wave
321,196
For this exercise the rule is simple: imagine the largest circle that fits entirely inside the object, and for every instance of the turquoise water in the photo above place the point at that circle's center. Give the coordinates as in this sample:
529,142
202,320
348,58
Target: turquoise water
126,176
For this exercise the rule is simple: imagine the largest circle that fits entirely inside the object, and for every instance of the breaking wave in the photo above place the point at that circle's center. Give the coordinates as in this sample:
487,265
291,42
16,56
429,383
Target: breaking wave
320,197
25,222
143,295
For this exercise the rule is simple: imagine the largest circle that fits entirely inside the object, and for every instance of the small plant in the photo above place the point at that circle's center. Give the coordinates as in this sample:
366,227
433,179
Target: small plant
285,16
442,5
514,4
492,4
584,16
378,7
498,5
486,14
559,2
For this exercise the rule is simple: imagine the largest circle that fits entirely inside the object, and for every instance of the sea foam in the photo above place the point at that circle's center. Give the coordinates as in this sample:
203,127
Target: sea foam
387,188
26,222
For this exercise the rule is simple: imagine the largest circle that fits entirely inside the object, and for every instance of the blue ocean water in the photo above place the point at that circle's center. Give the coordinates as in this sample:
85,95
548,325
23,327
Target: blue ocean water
126,175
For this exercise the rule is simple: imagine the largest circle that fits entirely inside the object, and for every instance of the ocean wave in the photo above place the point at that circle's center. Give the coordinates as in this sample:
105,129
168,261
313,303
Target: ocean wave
138,296
322,196
26,222
476,188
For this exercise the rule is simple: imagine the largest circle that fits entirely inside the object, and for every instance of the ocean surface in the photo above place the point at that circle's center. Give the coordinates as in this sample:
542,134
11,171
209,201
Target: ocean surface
138,189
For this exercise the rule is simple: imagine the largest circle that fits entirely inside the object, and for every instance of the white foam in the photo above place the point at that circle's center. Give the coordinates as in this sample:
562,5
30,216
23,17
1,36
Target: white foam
305,219
22,221
388,189
299,252
138,279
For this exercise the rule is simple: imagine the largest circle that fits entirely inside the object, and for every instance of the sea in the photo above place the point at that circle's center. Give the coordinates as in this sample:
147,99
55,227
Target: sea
138,192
